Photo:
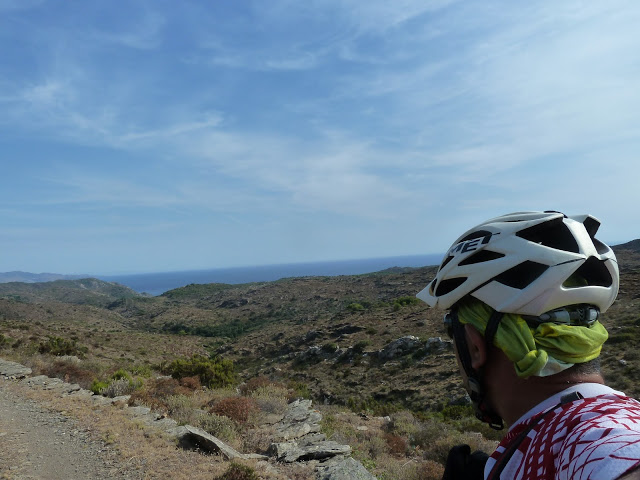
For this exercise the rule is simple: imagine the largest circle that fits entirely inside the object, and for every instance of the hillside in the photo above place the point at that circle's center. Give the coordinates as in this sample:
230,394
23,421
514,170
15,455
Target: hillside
325,332
633,245
357,342
87,291
27,277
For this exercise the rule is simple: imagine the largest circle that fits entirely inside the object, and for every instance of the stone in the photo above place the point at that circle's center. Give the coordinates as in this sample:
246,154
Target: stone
401,346
299,420
139,411
198,438
13,370
293,451
343,469
437,344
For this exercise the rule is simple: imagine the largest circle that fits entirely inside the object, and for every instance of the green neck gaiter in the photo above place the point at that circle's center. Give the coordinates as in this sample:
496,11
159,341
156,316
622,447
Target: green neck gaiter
547,349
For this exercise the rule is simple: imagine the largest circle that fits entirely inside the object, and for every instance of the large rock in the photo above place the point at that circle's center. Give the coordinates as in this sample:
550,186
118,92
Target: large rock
437,345
13,370
401,346
299,420
197,438
343,469
295,452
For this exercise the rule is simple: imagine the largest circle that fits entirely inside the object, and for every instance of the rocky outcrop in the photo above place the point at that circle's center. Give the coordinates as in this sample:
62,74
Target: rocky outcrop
414,346
401,346
308,449
300,430
299,420
438,345
195,438
13,370
343,469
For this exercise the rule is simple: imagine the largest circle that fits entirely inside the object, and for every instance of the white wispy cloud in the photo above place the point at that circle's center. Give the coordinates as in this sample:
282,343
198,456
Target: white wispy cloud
373,108
143,33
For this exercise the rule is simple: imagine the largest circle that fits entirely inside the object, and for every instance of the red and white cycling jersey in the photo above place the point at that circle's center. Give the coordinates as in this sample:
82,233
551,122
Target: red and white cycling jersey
595,438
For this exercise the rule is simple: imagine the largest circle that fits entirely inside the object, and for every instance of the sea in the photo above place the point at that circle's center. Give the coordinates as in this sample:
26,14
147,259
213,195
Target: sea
158,283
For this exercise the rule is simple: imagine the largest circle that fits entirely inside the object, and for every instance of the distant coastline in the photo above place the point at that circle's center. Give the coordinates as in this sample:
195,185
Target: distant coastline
158,283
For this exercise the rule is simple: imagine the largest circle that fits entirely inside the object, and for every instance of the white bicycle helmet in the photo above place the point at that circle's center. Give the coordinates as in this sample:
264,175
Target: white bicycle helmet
520,263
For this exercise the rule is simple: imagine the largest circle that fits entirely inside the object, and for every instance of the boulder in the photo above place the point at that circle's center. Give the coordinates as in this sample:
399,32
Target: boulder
436,345
13,370
196,438
342,469
401,346
299,420
294,451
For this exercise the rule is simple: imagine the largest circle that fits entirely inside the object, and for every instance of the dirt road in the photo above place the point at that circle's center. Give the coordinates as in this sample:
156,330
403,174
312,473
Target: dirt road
36,443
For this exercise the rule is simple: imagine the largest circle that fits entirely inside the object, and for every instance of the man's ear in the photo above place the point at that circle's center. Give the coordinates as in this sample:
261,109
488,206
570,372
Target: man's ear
477,347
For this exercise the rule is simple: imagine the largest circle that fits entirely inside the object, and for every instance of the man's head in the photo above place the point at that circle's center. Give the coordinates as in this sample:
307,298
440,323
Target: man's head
533,284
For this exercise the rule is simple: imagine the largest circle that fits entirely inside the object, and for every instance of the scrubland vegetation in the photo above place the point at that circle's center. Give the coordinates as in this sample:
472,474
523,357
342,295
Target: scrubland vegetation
228,359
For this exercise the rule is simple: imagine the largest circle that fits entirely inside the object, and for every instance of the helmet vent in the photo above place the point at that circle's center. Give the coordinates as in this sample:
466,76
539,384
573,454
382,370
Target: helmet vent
476,234
449,285
591,225
481,256
601,248
521,275
595,272
445,261
553,234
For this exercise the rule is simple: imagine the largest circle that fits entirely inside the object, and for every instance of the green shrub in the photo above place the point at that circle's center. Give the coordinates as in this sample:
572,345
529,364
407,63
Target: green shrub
398,303
330,347
141,370
300,390
355,307
361,345
60,346
98,386
213,372
121,374
4,341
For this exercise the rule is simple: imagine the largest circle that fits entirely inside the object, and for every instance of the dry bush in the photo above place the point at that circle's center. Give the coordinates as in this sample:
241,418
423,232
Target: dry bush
376,445
439,446
257,440
70,370
429,470
154,394
236,408
192,383
390,467
255,383
221,427
271,398
397,445
237,471
183,409
120,387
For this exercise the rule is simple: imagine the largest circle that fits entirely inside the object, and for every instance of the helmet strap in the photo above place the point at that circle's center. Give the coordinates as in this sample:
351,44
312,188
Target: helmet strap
475,382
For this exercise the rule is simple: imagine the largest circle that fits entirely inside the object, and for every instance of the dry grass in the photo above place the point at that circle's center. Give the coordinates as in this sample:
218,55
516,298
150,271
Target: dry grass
141,449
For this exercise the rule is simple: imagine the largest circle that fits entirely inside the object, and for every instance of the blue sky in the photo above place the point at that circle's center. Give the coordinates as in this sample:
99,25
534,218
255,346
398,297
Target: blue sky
142,136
